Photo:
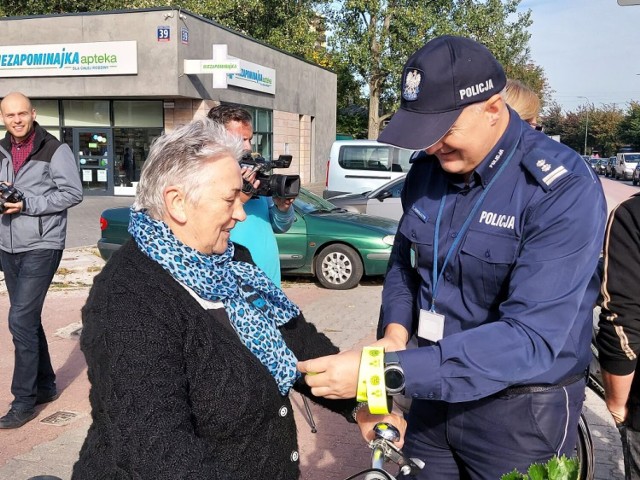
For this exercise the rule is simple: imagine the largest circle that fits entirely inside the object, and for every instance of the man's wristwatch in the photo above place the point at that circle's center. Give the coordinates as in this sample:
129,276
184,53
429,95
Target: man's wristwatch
393,374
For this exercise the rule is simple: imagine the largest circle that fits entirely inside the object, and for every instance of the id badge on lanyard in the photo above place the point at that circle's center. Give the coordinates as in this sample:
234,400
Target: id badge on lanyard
431,325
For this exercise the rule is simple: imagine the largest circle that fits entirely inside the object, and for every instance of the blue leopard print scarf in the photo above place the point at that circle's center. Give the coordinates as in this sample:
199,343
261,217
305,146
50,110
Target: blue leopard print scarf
254,304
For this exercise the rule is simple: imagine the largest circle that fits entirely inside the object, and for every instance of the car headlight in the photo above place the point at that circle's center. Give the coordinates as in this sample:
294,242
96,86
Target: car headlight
388,239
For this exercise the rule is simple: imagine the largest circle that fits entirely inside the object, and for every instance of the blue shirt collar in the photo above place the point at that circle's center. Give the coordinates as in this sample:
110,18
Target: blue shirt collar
491,163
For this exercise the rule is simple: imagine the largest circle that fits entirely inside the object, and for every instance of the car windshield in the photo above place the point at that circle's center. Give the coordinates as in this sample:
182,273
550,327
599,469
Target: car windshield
387,186
632,158
307,202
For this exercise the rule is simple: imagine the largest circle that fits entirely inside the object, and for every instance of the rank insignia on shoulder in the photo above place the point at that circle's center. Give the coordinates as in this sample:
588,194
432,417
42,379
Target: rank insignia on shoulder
553,175
546,171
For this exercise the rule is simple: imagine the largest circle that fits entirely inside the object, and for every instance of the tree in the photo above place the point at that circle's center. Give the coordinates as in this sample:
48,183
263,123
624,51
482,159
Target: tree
574,128
284,24
629,129
553,120
603,129
375,37
47,7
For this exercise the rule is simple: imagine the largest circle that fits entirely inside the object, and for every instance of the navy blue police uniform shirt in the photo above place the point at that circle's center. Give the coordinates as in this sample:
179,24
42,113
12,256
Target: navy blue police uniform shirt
517,295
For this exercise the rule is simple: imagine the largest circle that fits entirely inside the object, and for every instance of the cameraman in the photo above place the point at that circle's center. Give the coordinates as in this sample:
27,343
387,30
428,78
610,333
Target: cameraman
32,236
265,215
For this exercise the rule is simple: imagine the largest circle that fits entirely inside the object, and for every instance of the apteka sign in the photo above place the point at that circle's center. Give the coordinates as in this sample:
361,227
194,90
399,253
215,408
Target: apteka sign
69,59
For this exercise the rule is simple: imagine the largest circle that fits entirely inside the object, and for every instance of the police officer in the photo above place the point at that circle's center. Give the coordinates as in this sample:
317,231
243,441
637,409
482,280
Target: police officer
493,268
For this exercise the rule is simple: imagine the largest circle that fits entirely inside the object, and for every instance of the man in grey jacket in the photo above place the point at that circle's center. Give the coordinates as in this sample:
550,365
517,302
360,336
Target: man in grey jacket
32,238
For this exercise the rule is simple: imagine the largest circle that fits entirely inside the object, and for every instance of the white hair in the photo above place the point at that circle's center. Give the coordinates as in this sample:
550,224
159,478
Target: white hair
177,158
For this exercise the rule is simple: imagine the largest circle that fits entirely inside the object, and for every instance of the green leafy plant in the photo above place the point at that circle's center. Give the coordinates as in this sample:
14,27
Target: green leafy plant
562,468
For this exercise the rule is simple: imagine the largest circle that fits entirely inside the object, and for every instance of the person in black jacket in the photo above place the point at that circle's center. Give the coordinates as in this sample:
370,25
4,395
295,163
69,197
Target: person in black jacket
191,349
619,335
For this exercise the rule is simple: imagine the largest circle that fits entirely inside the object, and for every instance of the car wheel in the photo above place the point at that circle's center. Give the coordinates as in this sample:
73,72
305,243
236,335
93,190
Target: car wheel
634,180
338,267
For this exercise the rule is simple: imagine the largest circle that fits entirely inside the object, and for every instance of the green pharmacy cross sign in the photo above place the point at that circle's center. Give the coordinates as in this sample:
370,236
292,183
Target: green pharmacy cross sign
219,66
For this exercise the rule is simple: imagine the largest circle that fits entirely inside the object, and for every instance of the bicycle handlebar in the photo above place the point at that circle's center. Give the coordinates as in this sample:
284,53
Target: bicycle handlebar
384,449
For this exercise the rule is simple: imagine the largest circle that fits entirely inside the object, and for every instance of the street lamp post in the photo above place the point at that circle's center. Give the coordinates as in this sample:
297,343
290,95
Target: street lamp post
586,126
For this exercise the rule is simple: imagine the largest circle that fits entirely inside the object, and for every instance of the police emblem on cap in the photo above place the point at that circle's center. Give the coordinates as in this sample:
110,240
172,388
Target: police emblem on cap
411,88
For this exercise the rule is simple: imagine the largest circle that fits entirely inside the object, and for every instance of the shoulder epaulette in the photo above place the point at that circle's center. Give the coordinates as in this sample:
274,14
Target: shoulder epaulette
545,169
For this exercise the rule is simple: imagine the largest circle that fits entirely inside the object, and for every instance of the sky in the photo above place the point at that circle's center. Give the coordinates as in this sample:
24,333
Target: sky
588,48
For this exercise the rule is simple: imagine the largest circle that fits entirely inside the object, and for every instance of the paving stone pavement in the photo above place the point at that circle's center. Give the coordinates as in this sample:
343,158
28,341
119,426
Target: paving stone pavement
335,452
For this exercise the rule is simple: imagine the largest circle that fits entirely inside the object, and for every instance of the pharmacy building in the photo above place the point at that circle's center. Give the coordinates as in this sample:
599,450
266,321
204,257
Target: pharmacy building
109,83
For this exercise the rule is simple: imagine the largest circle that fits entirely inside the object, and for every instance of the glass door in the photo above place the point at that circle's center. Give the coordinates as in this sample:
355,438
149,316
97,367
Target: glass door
93,148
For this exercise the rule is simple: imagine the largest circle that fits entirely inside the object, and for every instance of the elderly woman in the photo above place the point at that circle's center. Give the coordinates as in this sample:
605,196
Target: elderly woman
191,349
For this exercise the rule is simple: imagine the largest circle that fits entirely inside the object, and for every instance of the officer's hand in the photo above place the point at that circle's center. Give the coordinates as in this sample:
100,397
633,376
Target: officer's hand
11,208
249,175
366,422
283,204
334,376
395,338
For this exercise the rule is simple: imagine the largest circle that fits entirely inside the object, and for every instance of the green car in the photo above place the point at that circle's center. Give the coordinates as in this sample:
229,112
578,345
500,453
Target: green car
335,246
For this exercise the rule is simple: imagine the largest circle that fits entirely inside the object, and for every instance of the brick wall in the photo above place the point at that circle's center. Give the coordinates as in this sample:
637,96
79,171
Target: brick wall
292,135
184,111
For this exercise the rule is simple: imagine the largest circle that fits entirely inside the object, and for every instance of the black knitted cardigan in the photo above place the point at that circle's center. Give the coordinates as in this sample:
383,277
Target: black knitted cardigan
174,393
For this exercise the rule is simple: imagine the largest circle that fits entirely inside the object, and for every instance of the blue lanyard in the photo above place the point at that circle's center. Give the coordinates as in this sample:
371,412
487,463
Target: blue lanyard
465,226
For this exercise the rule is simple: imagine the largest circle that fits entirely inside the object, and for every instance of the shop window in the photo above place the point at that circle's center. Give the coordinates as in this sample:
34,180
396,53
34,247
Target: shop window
138,113
47,113
262,132
86,113
131,147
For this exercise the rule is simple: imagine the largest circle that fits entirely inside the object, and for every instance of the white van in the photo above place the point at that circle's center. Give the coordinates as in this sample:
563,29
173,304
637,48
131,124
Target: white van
626,164
357,166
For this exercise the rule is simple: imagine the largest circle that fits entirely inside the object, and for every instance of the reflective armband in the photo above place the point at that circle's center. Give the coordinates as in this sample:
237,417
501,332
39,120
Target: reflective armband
371,387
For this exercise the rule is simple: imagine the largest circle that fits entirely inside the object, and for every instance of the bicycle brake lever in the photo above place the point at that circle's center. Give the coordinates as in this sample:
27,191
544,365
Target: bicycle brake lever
408,466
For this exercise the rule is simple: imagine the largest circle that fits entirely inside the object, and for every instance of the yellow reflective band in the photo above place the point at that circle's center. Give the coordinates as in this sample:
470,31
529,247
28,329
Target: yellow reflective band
371,388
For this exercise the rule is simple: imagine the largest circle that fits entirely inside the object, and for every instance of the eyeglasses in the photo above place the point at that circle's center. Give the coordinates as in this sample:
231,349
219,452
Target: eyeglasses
536,126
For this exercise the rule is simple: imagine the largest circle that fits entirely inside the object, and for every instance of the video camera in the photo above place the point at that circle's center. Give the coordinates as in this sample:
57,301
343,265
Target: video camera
9,194
283,186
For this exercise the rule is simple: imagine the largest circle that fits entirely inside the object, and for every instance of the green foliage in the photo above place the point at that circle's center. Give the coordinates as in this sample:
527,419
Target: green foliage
287,24
48,7
562,468
375,37
629,128
609,127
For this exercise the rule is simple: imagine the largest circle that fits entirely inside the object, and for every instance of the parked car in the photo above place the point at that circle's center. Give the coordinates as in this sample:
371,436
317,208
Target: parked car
610,167
384,201
593,163
626,164
635,178
335,246
601,166
357,166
